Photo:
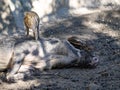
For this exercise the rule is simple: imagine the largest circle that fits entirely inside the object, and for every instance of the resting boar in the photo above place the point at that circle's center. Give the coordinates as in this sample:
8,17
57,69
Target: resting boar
45,54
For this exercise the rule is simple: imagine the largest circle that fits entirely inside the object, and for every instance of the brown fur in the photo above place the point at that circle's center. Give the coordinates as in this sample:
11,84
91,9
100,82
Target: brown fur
31,21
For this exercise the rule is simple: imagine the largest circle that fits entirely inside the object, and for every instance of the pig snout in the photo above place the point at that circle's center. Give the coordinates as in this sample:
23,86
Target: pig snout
94,61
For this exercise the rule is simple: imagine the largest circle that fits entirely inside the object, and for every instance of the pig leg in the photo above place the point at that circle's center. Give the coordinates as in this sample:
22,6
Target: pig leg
17,62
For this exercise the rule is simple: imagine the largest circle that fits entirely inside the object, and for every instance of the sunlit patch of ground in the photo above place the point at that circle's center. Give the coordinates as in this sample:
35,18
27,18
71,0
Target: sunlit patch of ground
102,30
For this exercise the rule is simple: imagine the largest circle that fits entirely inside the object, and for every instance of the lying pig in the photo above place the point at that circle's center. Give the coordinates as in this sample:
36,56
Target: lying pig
45,54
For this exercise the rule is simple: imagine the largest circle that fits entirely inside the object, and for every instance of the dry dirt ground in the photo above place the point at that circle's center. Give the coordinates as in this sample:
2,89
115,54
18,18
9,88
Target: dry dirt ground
102,30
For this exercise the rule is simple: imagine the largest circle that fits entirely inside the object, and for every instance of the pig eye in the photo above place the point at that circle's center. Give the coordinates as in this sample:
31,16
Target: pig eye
95,59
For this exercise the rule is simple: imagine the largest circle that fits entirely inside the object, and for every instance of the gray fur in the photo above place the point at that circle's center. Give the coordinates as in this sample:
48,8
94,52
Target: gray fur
41,54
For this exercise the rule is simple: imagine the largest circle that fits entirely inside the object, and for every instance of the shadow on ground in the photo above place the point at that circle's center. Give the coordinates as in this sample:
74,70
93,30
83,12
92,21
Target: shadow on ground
102,30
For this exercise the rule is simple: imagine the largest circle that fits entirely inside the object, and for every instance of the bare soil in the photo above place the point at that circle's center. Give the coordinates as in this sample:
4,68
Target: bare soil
102,30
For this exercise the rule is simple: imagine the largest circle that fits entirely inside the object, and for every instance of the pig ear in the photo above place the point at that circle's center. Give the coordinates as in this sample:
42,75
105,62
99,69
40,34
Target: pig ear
73,39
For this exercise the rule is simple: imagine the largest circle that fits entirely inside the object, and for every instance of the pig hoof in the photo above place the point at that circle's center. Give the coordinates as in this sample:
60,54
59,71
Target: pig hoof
10,79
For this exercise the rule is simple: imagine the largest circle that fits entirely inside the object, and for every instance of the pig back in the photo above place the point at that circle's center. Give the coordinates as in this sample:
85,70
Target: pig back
6,51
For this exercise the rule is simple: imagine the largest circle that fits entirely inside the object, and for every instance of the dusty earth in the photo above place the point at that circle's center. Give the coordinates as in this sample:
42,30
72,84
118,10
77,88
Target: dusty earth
102,30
